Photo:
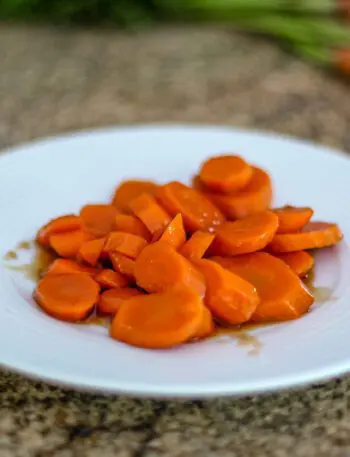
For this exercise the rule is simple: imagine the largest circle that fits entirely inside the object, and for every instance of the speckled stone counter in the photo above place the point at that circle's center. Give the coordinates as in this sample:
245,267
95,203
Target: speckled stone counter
57,80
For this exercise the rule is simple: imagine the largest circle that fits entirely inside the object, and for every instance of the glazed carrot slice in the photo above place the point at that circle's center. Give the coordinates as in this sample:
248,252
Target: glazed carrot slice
246,235
129,190
228,296
313,235
69,297
254,198
300,262
197,245
122,264
207,325
62,224
174,234
130,224
98,219
160,320
197,211
227,173
90,251
283,296
109,279
151,214
159,267
292,218
68,266
111,300
125,243
68,244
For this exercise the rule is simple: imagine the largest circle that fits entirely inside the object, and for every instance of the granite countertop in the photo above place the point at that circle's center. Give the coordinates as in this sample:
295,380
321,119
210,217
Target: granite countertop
58,80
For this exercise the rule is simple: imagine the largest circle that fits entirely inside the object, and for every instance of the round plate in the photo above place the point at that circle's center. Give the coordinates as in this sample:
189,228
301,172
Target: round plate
56,176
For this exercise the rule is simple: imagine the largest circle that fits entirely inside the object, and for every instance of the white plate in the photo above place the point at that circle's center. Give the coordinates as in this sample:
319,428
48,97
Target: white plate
55,176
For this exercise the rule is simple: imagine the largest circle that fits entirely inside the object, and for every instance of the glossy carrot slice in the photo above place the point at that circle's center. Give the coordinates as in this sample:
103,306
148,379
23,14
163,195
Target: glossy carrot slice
68,244
129,190
109,279
68,266
125,243
146,208
98,219
122,264
90,251
301,262
62,224
197,245
292,218
207,325
174,234
111,300
130,224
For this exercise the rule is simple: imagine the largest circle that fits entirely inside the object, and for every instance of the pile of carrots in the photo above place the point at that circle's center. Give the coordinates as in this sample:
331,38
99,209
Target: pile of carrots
171,263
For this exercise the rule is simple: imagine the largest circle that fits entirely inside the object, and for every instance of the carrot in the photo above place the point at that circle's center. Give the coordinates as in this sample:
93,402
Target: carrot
254,198
62,224
206,326
283,296
246,235
226,173
197,211
125,243
301,262
174,234
341,58
291,218
112,299
228,296
130,224
129,190
90,251
109,279
196,246
151,214
160,320
313,235
68,244
98,219
123,264
69,297
159,267
68,266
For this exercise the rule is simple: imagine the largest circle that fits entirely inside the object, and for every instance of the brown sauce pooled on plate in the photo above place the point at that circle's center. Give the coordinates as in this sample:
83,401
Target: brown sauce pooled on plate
322,294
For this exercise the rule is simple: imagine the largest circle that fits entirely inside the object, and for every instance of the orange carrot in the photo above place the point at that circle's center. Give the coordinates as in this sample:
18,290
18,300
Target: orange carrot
313,235
246,235
151,214
159,320
292,218
68,266
228,296
129,190
226,173
207,325
300,262
341,57
98,219
123,264
125,243
62,224
90,251
197,211
69,297
283,296
159,267
68,244
109,279
196,246
130,224
174,234
111,300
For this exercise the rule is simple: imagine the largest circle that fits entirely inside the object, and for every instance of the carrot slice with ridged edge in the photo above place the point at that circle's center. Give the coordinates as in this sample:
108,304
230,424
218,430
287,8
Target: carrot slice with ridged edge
312,236
109,279
174,234
301,262
292,218
283,295
68,266
146,208
90,251
125,243
98,219
226,173
245,235
161,320
111,300
122,264
69,297
129,190
196,246
131,224
207,325
67,244
62,224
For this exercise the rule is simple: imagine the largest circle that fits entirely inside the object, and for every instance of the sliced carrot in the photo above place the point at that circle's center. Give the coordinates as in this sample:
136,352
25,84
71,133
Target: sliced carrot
246,235
98,219
109,279
197,245
111,300
69,297
292,218
129,190
151,214
227,173
160,320
159,267
197,211
90,251
174,234
254,198
206,326
228,296
283,296
123,264
125,243
62,224
68,266
130,224
313,235
68,244
301,262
